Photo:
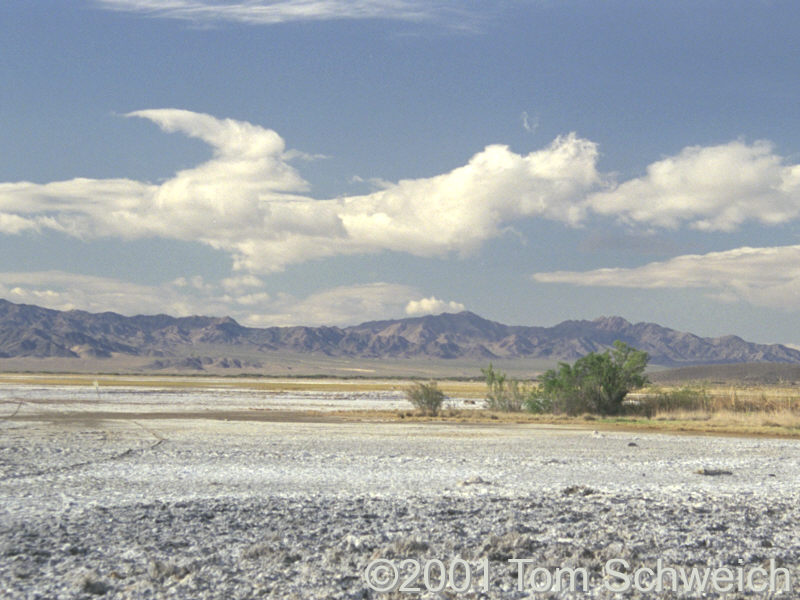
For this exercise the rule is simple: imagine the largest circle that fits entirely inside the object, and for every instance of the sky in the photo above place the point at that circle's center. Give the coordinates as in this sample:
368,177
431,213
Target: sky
336,161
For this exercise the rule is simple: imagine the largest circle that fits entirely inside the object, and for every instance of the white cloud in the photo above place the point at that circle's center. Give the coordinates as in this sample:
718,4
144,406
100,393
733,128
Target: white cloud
255,299
68,291
79,207
761,276
270,12
241,283
529,124
347,305
248,201
459,210
344,305
432,306
709,188
10,223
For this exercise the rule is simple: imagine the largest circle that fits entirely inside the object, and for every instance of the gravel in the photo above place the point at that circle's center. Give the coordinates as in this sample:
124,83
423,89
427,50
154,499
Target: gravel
193,508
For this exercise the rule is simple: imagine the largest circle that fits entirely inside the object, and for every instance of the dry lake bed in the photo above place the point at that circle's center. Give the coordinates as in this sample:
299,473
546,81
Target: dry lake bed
222,493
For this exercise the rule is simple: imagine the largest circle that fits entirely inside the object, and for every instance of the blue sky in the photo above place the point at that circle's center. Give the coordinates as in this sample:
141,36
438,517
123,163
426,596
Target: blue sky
323,161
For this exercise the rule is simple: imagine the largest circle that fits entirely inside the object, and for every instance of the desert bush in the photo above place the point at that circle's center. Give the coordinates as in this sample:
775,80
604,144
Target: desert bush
512,395
497,393
538,402
502,394
595,383
426,397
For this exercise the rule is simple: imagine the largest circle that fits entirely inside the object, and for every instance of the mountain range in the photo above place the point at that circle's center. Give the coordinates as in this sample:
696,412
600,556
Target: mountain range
28,331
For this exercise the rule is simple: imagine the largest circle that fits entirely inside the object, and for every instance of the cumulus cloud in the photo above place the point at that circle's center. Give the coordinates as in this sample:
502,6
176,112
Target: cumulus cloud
243,299
271,12
709,188
249,201
432,306
347,305
761,276
459,210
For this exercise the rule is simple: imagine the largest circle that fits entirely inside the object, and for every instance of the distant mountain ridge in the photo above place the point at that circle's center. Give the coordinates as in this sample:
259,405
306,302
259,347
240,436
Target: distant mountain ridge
33,331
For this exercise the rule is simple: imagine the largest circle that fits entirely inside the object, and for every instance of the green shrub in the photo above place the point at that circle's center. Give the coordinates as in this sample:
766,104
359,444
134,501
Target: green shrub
538,402
426,397
596,383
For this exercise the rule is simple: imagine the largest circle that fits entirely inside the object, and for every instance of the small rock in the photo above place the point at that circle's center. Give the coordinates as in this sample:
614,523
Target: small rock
580,490
90,582
474,480
713,472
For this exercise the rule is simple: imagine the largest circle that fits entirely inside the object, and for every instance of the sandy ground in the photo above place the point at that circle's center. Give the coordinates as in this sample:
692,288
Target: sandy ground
140,495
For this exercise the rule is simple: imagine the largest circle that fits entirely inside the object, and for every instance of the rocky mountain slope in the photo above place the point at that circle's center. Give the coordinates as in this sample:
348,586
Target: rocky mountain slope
32,331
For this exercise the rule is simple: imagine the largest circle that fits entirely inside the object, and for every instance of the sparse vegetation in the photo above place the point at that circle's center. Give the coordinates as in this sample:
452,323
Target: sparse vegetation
655,401
741,409
426,397
702,400
498,394
511,395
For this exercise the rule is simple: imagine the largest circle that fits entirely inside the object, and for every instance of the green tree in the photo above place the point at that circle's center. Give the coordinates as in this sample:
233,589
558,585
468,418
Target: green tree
597,382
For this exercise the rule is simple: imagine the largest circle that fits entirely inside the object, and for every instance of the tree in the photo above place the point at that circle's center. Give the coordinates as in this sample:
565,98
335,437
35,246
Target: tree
426,397
596,383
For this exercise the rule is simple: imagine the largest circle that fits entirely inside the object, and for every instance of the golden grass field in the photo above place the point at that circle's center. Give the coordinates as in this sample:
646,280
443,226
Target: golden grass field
726,410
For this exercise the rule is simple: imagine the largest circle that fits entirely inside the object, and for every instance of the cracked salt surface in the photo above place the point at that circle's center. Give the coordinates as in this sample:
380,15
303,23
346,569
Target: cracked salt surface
198,508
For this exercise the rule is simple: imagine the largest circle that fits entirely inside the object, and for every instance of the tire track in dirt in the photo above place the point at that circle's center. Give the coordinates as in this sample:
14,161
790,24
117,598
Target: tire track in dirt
107,434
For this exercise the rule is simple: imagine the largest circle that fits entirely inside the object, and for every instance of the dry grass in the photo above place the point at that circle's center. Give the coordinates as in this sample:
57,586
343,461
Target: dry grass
456,416
755,399
726,398
780,419
741,410
761,424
